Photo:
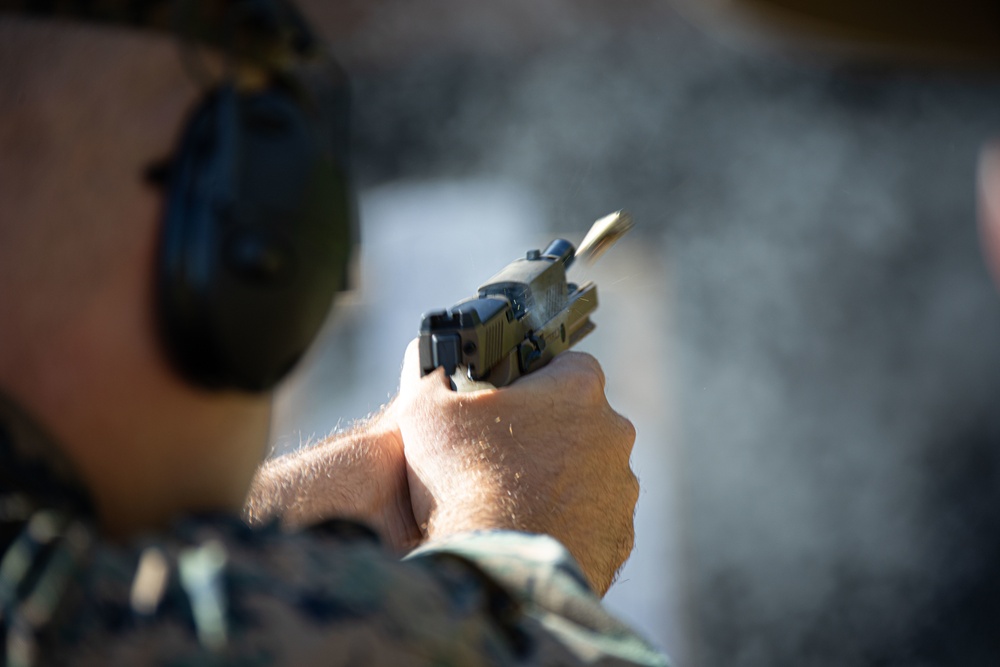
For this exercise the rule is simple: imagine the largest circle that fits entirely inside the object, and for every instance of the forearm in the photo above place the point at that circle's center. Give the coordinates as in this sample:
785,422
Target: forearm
358,474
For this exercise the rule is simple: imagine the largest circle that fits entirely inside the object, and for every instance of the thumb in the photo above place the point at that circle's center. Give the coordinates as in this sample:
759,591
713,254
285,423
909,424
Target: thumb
410,378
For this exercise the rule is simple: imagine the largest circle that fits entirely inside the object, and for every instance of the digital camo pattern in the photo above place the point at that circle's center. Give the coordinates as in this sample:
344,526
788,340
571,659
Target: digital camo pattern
226,594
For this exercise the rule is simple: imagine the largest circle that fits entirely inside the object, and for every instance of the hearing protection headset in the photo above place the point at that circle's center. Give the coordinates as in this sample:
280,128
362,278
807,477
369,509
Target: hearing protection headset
258,225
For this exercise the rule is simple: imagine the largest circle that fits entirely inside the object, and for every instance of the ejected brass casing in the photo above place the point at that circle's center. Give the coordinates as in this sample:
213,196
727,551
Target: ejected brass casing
603,234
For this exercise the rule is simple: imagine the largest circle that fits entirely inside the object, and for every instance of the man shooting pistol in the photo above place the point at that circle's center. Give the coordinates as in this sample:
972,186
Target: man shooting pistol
144,325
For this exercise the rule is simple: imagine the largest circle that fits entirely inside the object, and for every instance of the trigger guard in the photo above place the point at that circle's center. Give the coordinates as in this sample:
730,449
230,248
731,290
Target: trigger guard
505,372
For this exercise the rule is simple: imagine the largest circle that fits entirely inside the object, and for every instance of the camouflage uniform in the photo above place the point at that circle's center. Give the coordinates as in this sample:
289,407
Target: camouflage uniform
213,591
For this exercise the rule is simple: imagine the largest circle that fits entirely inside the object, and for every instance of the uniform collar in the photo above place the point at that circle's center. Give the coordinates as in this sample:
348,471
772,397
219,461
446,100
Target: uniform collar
34,472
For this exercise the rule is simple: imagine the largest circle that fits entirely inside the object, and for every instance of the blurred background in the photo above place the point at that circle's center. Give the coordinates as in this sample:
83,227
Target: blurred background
801,326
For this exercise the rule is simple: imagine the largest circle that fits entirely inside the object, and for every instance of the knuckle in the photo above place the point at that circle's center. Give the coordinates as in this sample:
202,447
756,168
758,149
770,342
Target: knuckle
628,430
625,427
627,489
583,367
634,488
622,430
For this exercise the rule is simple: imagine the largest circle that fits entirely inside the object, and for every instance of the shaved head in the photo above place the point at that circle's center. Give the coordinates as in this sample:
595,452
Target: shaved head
84,110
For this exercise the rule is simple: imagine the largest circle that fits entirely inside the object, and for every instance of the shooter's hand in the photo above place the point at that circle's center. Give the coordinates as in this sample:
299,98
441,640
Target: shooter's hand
545,455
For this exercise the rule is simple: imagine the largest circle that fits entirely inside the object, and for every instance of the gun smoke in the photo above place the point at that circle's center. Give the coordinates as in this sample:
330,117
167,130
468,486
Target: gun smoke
835,331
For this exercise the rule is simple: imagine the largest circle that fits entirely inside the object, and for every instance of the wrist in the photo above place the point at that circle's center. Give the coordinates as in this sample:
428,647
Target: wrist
359,474
484,503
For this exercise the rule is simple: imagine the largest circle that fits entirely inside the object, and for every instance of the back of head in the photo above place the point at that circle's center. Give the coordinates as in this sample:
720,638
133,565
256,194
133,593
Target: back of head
256,226
144,320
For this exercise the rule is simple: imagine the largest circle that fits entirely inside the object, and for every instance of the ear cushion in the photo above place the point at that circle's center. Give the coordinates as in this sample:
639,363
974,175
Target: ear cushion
255,238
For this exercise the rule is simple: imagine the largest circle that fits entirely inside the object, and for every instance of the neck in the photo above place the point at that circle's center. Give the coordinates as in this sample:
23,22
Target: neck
33,468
